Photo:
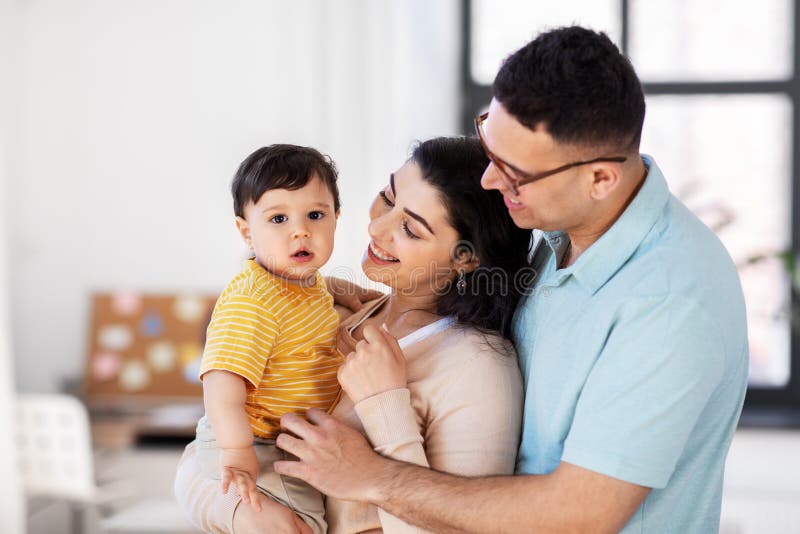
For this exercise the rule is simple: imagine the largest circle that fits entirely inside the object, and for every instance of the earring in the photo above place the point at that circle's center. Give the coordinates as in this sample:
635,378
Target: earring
461,285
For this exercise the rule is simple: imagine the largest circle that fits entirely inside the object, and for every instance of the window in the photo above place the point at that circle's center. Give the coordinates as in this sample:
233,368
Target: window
722,97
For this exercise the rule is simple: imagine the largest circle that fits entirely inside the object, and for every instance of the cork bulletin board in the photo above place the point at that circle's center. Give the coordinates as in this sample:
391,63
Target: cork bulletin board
145,347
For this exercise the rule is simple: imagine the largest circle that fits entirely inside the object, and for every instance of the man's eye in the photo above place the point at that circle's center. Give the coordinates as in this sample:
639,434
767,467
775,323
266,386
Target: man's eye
278,219
316,215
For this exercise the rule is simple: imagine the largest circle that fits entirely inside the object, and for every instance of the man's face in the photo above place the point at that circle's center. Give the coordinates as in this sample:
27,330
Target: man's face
557,202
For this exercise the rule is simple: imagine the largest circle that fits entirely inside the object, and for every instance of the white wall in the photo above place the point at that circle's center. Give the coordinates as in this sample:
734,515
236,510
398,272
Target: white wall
11,504
133,115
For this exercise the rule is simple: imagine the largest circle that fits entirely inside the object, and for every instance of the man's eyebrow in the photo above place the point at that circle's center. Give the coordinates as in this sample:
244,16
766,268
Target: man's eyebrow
419,218
391,184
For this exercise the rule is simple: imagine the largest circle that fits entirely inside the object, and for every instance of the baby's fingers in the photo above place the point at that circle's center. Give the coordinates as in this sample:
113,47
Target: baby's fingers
243,486
254,498
227,478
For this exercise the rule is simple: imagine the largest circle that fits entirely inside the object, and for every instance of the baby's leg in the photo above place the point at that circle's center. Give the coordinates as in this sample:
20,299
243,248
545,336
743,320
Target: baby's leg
273,517
292,493
200,497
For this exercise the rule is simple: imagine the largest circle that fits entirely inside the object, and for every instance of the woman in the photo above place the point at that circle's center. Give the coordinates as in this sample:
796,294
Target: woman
453,400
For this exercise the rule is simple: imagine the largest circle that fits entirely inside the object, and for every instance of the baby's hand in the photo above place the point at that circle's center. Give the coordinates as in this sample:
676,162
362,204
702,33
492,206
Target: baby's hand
241,467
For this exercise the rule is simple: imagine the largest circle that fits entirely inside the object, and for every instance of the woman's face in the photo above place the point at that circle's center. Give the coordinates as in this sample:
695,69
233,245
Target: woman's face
411,240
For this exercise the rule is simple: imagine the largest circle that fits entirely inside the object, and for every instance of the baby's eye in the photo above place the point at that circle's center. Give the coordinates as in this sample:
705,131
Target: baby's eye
316,215
278,219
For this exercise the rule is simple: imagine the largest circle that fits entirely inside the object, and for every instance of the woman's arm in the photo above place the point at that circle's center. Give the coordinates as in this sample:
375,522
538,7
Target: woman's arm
467,433
224,396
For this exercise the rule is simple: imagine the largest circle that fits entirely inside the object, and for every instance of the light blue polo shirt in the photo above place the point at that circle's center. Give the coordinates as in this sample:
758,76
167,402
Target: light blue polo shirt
635,360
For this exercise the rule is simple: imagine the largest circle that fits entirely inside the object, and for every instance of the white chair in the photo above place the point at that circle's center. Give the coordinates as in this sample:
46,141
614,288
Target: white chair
54,447
56,464
54,450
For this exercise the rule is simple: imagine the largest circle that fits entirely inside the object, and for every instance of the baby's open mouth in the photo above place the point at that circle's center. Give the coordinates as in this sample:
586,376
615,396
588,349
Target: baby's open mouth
302,255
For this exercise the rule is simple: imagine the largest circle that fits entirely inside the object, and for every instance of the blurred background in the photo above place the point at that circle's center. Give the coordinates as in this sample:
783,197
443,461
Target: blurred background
122,123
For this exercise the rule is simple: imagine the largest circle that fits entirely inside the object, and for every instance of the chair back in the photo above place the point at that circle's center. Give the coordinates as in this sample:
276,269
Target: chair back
54,444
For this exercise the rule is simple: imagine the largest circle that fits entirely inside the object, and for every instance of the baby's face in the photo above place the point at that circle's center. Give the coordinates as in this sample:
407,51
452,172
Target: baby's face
291,232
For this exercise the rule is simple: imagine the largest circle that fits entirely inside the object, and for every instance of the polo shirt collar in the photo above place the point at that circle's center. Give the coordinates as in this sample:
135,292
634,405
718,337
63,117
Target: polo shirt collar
607,255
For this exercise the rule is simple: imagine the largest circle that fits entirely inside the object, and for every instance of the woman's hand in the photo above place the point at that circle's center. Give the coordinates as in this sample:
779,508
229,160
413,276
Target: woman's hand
377,365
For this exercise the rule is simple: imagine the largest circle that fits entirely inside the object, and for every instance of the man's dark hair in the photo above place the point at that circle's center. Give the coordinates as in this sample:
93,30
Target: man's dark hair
281,167
454,166
577,84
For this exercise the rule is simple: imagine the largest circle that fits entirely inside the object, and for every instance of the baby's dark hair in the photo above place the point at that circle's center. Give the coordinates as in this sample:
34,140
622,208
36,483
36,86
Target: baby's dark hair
281,166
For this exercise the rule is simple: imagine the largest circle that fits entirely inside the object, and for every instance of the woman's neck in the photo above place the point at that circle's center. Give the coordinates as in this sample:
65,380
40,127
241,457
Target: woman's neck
403,314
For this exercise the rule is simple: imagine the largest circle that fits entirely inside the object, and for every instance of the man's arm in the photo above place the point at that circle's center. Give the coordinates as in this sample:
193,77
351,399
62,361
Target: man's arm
338,461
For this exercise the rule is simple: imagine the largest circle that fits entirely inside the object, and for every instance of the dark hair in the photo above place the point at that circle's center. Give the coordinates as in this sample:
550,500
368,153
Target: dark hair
281,167
577,84
454,166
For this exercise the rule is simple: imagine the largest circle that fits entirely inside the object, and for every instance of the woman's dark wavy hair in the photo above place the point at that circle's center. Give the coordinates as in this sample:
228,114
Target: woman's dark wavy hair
454,166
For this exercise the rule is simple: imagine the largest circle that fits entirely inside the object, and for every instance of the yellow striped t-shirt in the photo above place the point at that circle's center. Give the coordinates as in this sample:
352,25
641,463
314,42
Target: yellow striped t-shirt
279,337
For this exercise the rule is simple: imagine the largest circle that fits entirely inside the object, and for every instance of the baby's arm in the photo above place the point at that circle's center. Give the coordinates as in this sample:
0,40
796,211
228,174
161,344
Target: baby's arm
224,396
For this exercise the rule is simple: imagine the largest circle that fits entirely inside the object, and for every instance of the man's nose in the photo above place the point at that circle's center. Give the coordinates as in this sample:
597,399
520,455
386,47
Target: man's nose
490,179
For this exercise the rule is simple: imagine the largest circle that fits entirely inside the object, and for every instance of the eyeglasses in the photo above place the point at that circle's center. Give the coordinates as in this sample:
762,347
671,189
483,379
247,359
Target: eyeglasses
514,178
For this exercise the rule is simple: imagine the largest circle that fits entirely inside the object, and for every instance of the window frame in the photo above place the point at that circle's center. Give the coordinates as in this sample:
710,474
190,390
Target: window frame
764,406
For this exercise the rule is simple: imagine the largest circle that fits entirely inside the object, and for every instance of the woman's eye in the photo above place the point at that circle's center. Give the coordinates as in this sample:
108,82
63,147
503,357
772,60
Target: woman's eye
316,215
409,233
278,219
386,199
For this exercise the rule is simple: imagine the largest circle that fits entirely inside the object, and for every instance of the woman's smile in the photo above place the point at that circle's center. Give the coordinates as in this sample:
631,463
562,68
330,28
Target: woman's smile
379,255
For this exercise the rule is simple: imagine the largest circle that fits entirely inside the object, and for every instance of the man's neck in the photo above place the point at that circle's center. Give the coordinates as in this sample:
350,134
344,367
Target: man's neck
585,236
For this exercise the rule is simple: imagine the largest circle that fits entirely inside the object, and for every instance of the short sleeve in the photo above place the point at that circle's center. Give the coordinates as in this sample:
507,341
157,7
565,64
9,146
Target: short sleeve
661,363
240,338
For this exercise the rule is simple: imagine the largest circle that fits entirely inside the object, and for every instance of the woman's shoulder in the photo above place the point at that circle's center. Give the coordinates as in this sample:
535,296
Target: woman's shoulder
468,343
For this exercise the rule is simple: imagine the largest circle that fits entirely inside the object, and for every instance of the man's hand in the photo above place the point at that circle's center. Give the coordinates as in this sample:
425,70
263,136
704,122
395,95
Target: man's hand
377,365
348,294
240,466
334,458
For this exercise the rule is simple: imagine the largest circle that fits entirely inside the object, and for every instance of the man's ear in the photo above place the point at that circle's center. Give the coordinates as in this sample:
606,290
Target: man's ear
605,180
244,231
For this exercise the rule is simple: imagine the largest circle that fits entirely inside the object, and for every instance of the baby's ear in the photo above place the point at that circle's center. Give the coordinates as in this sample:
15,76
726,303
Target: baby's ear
338,212
244,230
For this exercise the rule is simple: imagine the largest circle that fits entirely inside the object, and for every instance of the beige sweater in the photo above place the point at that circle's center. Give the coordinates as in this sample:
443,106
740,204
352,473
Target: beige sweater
461,413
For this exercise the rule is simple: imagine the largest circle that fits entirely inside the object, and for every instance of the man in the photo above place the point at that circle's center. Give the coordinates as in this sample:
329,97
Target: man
632,345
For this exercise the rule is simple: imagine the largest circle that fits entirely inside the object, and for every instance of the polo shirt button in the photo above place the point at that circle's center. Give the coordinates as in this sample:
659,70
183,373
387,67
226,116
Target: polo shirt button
546,292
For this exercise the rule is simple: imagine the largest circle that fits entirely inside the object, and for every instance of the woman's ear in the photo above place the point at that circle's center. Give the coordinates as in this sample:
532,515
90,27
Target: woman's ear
470,264
244,231
464,257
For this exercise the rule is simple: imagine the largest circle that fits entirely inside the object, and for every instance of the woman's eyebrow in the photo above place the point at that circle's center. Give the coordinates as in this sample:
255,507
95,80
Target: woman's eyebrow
419,218
391,184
